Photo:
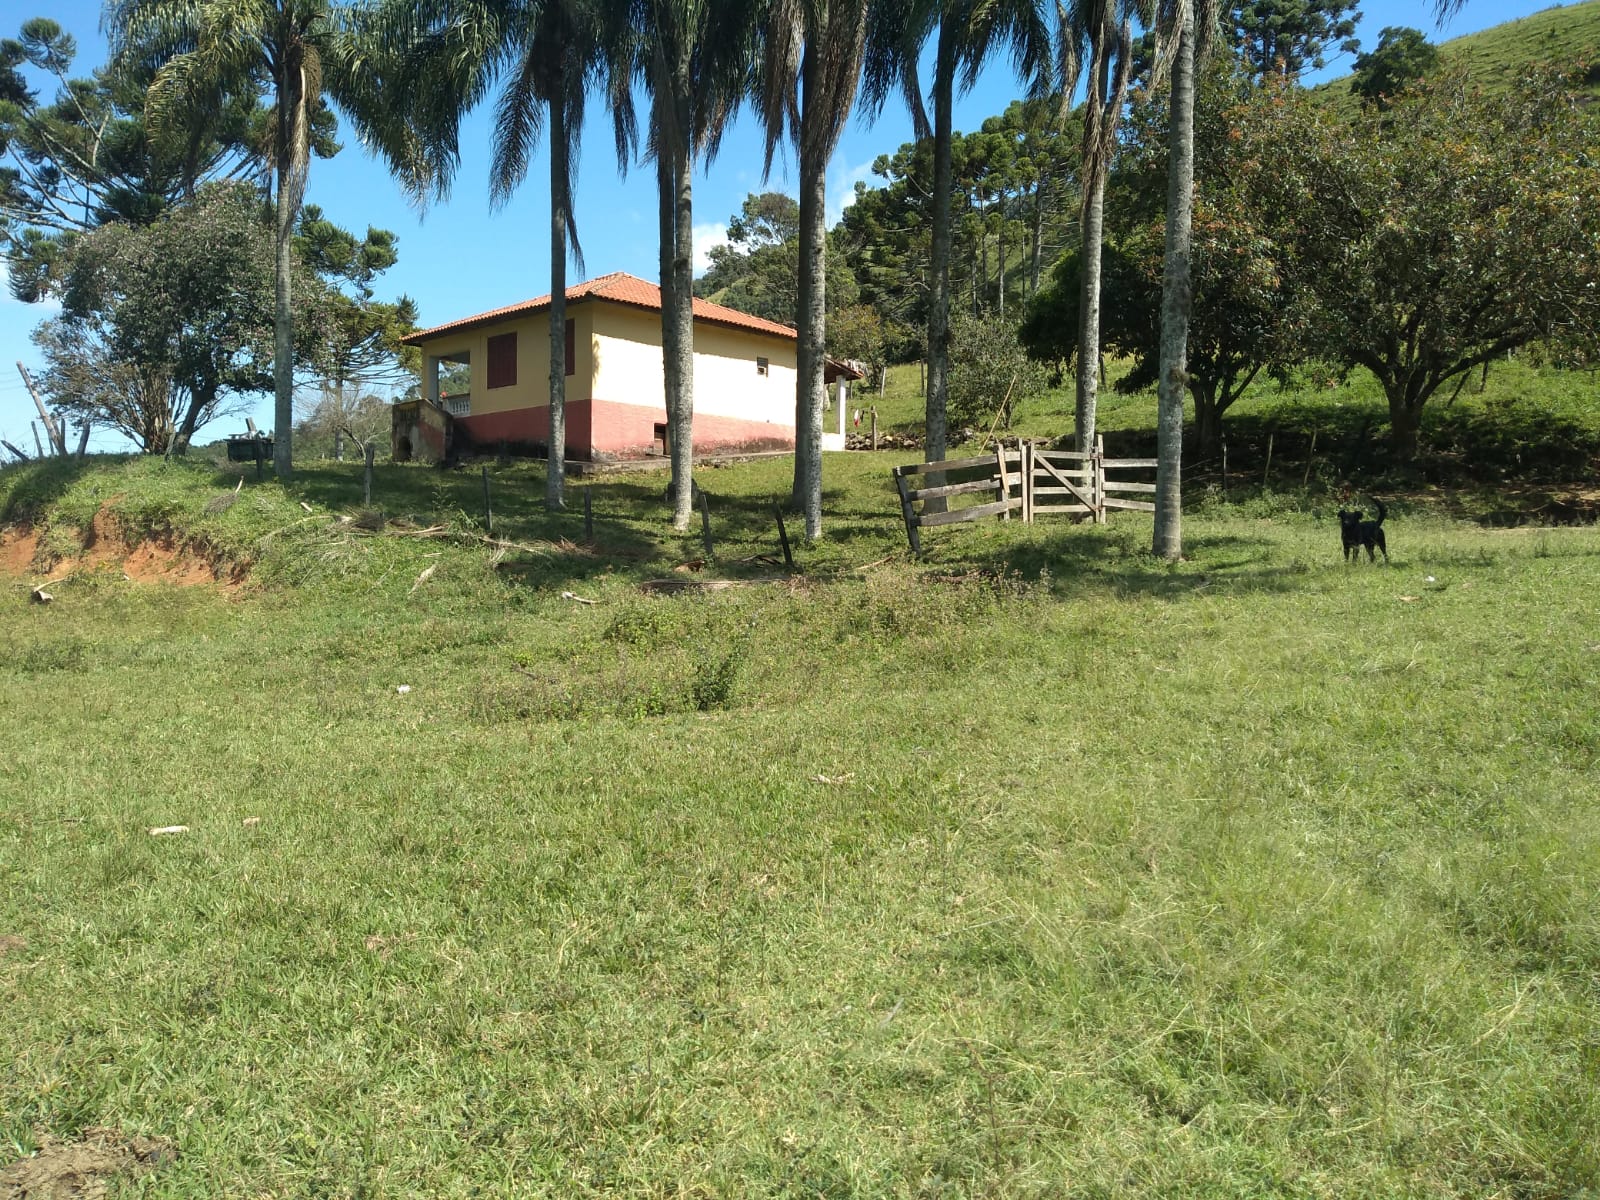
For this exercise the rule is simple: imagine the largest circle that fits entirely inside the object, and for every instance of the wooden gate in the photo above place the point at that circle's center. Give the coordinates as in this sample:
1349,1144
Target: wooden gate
1030,479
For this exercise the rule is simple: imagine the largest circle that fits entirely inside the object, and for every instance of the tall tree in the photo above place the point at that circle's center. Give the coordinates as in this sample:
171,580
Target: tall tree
544,54
85,157
1097,38
310,52
695,59
964,33
1177,294
1403,56
1246,317
1282,38
820,44
1436,236
165,326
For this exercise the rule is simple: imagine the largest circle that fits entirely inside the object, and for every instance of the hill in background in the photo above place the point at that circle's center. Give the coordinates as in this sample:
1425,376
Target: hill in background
1496,56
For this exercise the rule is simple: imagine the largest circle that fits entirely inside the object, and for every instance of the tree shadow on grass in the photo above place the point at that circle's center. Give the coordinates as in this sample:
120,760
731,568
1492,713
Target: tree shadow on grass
27,490
1085,562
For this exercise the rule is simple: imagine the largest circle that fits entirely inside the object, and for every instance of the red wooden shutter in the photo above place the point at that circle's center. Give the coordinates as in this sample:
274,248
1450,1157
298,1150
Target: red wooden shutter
503,360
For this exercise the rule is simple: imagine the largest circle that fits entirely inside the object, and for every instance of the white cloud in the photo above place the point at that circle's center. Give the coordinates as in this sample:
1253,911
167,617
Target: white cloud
705,237
842,189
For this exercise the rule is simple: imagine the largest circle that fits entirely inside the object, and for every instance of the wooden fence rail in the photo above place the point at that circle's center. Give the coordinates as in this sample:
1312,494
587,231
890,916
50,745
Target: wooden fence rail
1030,479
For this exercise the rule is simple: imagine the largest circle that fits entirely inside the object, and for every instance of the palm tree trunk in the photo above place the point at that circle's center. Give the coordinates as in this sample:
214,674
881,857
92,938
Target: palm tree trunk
283,321
680,420
936,432
811,359
560,202
1176,301
1094,208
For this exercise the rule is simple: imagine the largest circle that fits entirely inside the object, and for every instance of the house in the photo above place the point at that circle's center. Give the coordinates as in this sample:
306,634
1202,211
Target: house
486,378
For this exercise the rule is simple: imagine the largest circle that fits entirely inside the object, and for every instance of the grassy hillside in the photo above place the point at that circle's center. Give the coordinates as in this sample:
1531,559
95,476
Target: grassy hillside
1495,57
1521,442
1040,868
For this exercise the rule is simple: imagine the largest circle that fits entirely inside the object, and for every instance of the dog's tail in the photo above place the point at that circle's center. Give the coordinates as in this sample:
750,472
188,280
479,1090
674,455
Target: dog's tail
1382,511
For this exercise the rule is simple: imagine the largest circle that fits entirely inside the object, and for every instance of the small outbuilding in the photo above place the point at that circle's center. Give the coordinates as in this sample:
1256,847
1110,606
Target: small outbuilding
744,378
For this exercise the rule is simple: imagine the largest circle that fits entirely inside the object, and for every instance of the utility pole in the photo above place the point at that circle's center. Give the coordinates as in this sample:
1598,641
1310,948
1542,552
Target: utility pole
53,431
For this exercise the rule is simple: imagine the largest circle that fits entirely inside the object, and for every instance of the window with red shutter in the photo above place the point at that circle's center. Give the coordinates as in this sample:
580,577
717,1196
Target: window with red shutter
503,360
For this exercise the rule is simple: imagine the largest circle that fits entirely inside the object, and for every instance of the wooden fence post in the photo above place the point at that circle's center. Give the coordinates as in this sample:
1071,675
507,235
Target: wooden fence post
1002,487
875,421
1267,470
488,511
1027,482
783,538
366,487
705,524
588,515
1098,479
38,446
905,509
260,463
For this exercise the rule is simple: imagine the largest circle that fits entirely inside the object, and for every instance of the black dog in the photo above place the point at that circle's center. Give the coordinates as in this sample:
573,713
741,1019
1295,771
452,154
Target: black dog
1357,533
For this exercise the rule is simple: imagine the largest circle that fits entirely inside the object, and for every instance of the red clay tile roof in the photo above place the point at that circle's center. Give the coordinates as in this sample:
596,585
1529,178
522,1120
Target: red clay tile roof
620,288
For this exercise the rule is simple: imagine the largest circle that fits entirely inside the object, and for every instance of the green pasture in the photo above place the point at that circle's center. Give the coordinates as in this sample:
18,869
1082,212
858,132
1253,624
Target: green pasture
1038,868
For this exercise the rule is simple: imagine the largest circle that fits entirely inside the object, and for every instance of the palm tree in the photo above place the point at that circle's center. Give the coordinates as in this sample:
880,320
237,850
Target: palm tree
309,52
1177,295
820,43
1098,33
1186,26
546,53
696,60
967,31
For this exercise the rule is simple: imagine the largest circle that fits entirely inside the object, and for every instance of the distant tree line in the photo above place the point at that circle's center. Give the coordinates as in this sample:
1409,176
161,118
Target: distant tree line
1397,239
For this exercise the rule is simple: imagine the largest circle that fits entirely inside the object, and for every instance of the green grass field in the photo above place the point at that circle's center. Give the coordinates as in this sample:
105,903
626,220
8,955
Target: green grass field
1038,868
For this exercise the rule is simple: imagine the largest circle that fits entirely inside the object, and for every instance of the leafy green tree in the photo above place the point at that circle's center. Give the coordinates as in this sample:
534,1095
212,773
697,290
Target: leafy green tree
165,326
756,270
1247,315
357,347
1403,57
1013,183
990,372
1437,236
1282,38
310,53
858,333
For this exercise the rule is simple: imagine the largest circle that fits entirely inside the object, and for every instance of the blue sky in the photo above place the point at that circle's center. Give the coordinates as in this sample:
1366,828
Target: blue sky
459,257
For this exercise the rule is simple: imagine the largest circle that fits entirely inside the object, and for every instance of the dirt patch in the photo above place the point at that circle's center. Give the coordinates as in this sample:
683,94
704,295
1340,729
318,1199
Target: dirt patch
10,942
102,541
82,1170
17,548
161,562
107,548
